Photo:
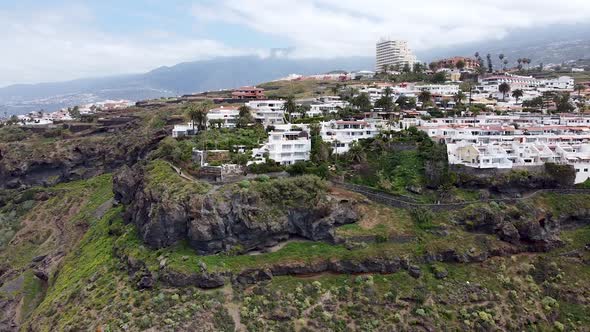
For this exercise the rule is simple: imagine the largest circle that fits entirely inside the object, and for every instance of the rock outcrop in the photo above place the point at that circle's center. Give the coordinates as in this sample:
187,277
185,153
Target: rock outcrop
229,218
508,181
525,224
26,164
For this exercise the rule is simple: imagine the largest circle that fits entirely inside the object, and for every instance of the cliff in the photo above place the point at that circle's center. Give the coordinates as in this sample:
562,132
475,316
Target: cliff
167,209
41,161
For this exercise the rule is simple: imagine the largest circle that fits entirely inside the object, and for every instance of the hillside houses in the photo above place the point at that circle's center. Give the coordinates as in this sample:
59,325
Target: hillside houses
224,117
515,141
287,145
267,112
342,134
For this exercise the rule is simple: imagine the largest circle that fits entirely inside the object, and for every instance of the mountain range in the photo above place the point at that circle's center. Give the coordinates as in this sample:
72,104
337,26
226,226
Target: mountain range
552,44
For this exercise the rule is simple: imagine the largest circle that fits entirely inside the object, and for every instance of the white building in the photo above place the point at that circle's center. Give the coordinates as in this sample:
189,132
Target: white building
491,84
439,89
577,155
267,112
394,53
319,109
285,147
342,134
561,83
184,130
227,116
516,140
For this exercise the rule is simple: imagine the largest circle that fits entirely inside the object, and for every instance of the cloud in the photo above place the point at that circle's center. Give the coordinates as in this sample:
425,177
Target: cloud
67,42
64,43
335,27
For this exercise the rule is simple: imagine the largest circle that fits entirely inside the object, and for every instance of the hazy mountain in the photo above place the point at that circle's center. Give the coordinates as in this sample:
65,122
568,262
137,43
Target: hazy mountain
552,44
219,73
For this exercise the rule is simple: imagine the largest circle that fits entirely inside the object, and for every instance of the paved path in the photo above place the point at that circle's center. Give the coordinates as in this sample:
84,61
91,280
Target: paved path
179,171
404,202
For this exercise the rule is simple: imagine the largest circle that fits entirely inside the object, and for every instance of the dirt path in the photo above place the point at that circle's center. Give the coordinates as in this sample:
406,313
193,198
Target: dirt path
277,247
233,308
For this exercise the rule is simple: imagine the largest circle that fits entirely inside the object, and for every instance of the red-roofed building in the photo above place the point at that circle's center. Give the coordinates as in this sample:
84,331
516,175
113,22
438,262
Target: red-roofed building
470,63
248,92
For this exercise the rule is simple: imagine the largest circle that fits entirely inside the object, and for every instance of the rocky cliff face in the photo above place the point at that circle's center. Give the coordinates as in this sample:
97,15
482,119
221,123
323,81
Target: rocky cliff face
527,225
33,163
548,176
230,217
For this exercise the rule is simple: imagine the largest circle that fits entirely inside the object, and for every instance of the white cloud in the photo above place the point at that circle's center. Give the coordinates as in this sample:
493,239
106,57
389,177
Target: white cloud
66,43
351,27
63,44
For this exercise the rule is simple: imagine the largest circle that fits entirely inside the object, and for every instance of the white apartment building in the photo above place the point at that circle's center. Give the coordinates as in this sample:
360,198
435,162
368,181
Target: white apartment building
393,53
342,134
515,141
319,109
439,89
561,83
267,112
491,84
285,147
228,116
577,155
184,130
374,93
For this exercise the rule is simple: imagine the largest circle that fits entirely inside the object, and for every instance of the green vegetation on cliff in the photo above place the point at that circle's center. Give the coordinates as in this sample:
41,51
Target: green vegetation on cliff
94,287
164,179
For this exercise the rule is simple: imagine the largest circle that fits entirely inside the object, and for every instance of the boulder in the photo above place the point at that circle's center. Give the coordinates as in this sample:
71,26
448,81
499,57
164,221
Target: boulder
415,271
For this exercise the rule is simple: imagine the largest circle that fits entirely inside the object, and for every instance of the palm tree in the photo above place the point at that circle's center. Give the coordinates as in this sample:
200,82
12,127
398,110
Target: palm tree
336,88
580,88
504,88
490,64
459,97
424,97
518,93
433,66
505,63
526,61
245,116
197,114
289,107
356,153
501,57
460,64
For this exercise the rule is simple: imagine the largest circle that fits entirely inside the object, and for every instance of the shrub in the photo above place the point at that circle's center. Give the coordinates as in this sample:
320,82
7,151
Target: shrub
267,167
263,178
422,217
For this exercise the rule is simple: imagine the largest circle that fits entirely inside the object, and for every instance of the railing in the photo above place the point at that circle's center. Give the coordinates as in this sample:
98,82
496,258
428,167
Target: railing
409,203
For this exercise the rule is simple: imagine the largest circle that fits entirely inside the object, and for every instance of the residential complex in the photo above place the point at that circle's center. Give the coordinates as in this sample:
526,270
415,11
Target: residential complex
393,54
286,145
268,112
342,134
225,117
515,141
491,84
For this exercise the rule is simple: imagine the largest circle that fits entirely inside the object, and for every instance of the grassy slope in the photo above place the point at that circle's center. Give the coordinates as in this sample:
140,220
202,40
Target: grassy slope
50,226
92,288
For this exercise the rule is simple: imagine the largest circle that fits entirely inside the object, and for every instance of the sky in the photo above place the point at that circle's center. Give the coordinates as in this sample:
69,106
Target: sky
59,40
